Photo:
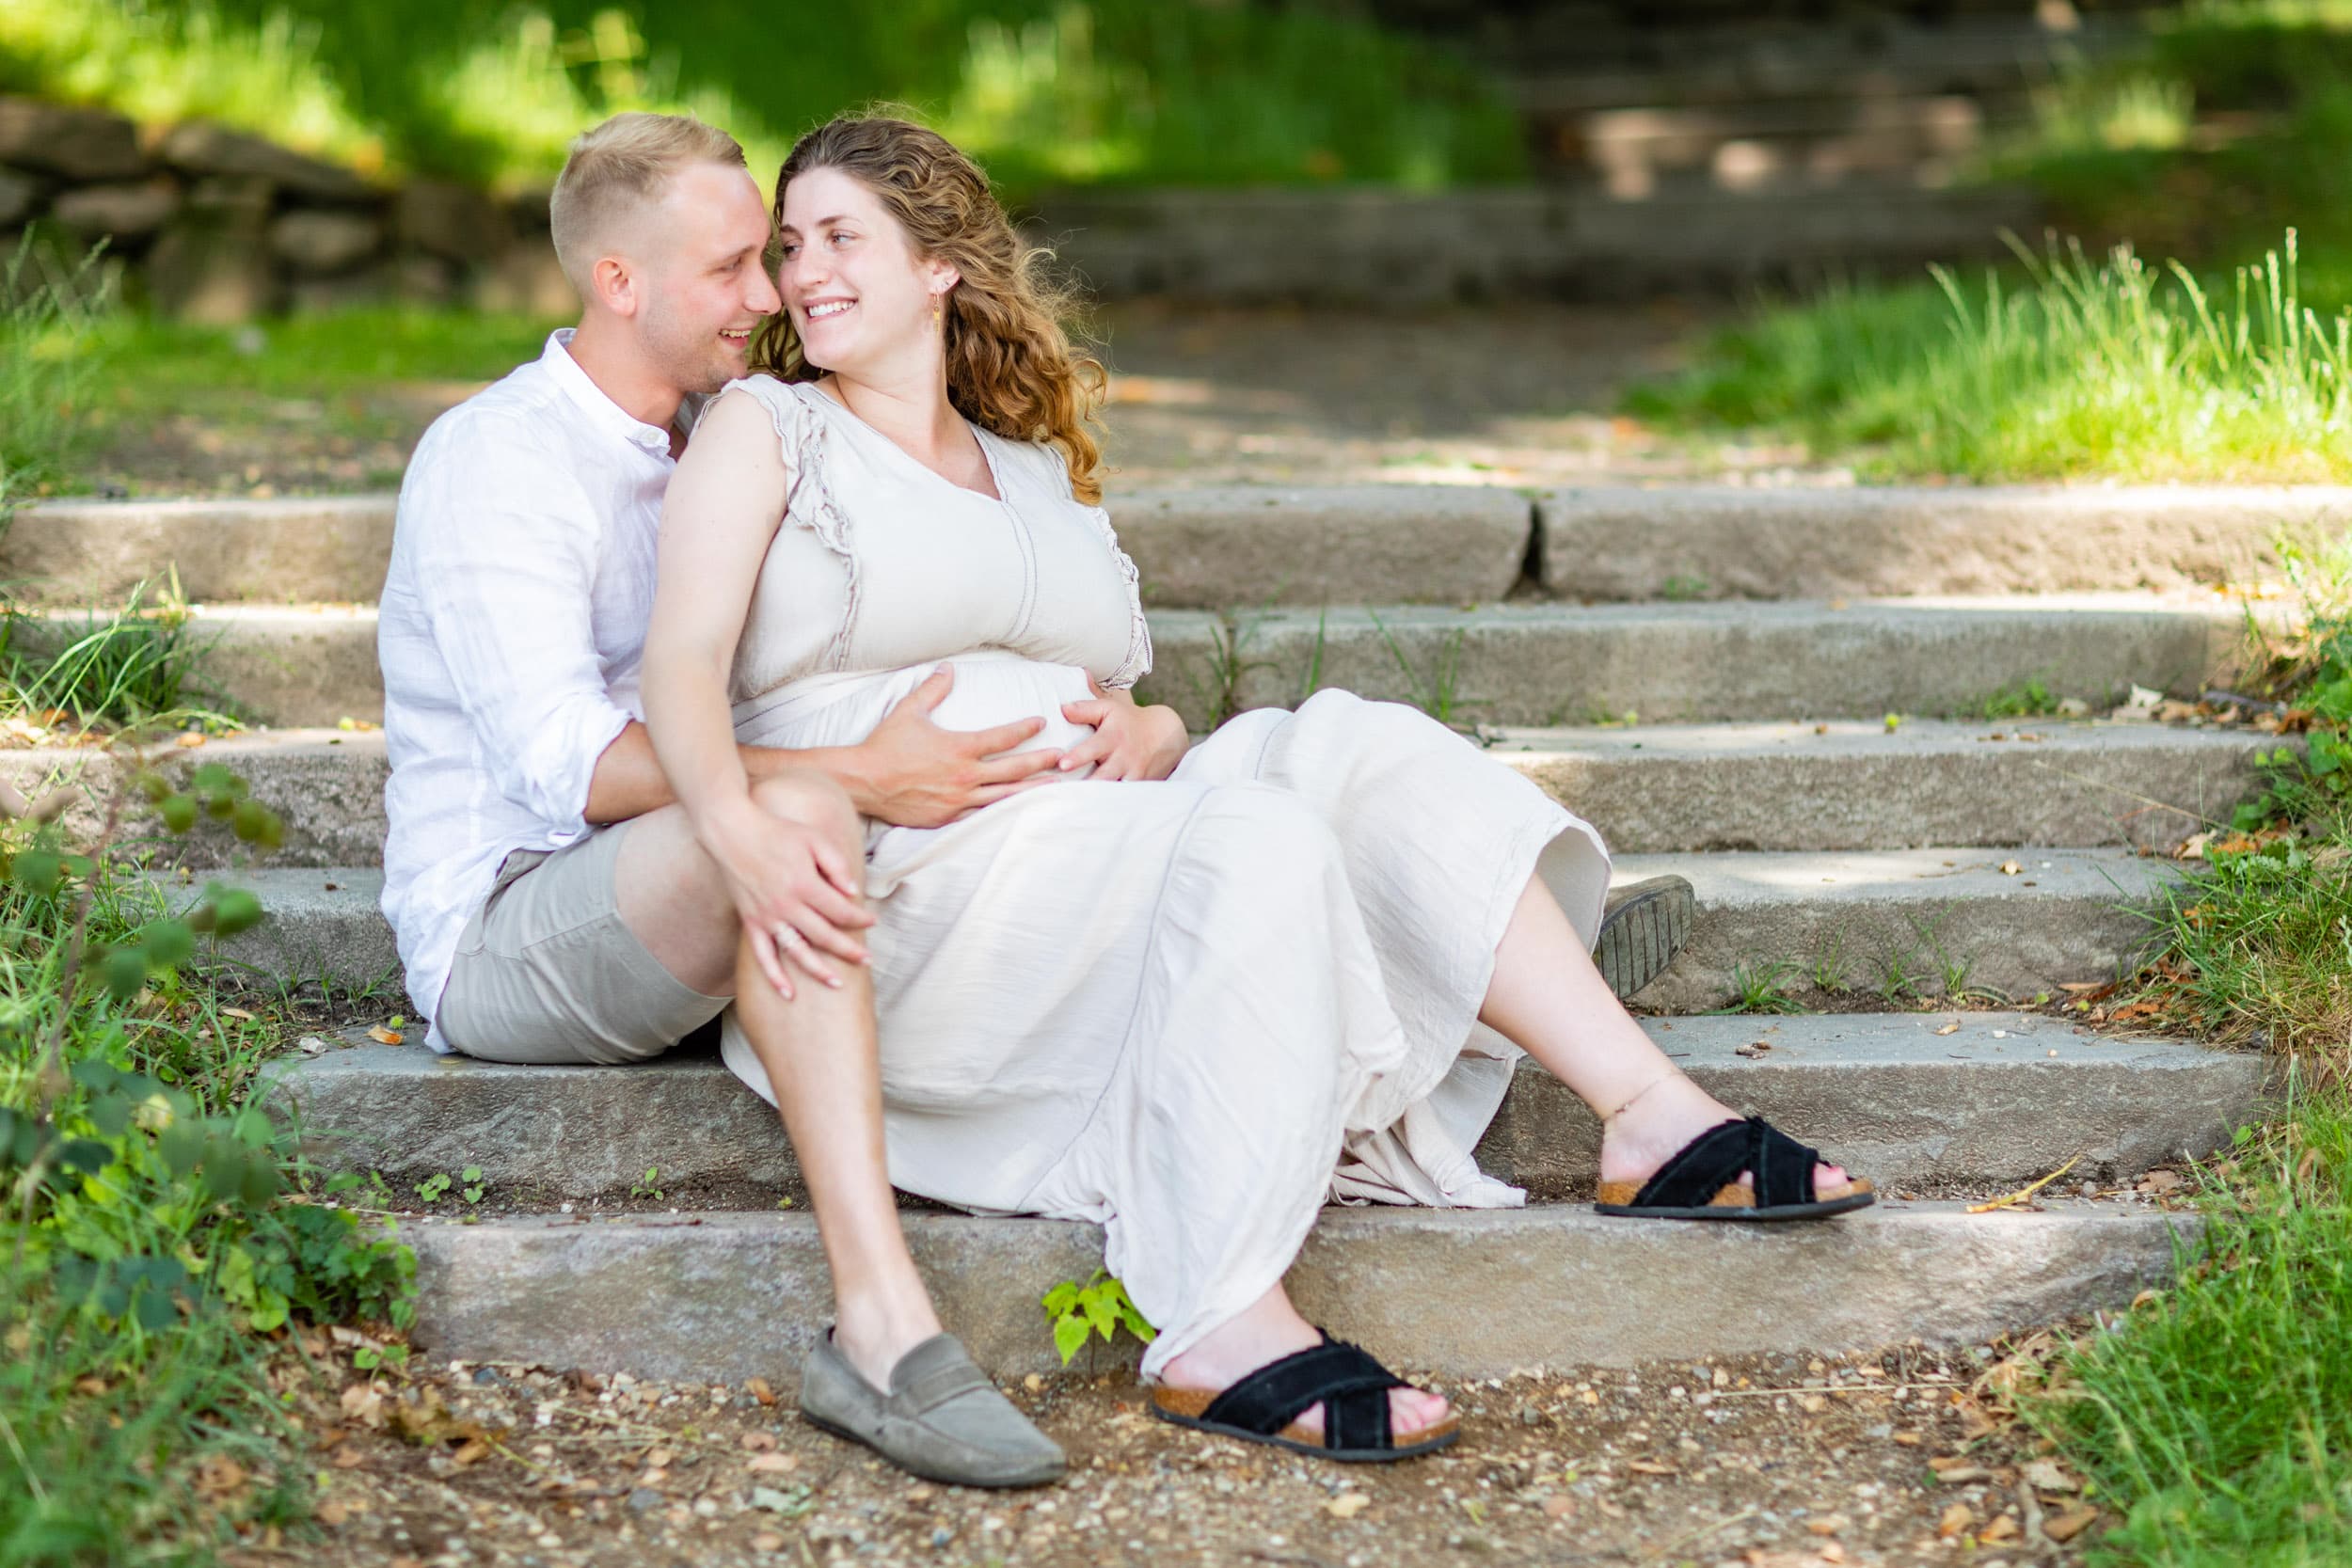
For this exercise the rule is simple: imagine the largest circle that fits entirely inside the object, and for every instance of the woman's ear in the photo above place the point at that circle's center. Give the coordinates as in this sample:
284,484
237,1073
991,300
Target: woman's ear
944,277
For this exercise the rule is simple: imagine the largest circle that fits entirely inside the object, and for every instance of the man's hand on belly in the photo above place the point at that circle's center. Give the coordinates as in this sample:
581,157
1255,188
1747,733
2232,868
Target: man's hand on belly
912,773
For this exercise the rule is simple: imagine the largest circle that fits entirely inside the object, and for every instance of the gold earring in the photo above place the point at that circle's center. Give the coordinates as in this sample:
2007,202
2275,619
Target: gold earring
939,313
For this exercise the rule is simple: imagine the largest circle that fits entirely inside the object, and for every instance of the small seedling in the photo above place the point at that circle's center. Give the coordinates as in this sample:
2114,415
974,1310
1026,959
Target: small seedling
644,1187
475,1188
367,1358
433,1186
1098,1307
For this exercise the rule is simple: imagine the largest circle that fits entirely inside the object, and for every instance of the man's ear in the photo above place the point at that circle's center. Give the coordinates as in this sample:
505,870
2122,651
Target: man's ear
614,282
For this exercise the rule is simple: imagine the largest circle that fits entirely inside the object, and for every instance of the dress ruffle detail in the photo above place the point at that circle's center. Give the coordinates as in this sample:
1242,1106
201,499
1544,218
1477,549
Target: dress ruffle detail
801,432
1137,663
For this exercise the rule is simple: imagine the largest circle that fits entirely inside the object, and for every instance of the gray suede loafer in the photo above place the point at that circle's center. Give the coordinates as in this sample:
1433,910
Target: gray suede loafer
941,1419
1646,926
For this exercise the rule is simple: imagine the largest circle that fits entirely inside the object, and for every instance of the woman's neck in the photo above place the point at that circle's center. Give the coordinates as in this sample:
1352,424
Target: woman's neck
914,411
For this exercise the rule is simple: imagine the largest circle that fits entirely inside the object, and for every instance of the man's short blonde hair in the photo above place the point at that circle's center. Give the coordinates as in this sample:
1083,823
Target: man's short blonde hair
621,166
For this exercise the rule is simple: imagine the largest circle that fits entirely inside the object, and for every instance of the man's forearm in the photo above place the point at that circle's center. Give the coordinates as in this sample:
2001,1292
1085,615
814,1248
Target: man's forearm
628,781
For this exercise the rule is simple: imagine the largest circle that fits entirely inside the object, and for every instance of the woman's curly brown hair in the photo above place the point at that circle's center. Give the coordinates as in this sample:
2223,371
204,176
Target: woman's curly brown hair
1010,366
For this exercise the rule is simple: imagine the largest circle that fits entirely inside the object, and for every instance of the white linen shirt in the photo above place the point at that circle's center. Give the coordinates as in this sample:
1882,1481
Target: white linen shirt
511,633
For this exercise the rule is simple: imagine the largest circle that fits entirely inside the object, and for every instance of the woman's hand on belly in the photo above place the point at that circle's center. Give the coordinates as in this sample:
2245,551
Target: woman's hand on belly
1128,741
912,773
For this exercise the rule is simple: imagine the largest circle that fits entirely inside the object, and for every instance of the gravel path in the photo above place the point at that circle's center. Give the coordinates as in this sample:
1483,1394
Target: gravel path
1518,394
1760,1463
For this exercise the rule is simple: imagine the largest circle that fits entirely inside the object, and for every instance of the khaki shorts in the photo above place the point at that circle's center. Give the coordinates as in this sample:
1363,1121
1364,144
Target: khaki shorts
546,970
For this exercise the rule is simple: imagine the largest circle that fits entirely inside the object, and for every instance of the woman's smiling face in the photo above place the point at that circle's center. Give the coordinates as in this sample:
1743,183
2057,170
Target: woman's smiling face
857,292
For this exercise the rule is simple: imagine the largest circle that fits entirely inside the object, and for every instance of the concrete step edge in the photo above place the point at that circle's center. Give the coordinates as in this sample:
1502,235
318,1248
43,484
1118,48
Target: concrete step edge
1497,663
1835,785
1912,1101
1470,1294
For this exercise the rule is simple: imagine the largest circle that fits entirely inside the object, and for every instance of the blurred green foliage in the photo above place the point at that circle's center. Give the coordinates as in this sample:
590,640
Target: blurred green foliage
1042,91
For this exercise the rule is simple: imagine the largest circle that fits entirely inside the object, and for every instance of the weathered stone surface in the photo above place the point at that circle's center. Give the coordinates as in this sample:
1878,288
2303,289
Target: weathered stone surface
1650,790
1851,784
320,927
324,548
2000,1102
1731,542
313,665
1473,1292
20,193
201,147
455,222
122,211
211,265
1557,664
1904,922
526,279
1904,919
1217,548
324,240
78,143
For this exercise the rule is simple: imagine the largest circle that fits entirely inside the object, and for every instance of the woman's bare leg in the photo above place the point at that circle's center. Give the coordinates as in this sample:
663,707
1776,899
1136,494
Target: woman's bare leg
824,1063
1549,999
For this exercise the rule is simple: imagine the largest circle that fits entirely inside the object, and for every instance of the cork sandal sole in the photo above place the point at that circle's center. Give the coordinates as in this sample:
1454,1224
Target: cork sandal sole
1735,1203
1182,1407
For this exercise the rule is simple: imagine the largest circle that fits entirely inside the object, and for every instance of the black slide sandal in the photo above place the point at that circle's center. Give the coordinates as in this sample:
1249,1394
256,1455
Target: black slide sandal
1702,1182
1352,1388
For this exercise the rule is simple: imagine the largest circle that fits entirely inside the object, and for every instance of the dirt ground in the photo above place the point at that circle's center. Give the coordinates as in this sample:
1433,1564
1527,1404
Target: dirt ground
1775,1463
1518,394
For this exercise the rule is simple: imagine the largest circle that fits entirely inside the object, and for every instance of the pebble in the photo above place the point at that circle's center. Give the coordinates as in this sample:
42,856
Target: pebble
644,1497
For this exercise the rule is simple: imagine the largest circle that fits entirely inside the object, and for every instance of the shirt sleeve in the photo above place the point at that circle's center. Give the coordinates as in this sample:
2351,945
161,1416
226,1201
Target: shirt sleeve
504,545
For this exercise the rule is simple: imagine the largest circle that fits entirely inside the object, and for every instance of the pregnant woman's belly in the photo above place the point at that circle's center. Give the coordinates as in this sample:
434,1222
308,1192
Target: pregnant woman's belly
991,687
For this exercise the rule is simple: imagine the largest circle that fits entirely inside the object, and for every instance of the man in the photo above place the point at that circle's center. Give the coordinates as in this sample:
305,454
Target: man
550,901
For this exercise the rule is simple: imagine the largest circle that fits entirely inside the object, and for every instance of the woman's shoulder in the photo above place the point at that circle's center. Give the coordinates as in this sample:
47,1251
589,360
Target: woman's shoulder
1040,463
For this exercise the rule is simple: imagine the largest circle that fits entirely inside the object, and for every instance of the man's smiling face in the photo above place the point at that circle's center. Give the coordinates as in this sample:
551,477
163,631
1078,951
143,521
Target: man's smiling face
700,257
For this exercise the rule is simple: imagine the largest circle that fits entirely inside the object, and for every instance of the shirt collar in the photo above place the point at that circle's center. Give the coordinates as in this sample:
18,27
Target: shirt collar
607,415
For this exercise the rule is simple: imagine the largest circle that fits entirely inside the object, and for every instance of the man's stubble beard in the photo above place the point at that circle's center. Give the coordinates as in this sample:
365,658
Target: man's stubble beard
692,361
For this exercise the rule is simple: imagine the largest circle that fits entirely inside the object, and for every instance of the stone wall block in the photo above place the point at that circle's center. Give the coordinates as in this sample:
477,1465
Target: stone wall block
212,265
120,212
200,146
80,144
450,221
527,280
20,193
323,242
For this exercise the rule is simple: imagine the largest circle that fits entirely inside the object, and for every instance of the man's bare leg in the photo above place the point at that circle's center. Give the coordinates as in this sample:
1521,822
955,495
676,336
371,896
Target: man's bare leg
819,1050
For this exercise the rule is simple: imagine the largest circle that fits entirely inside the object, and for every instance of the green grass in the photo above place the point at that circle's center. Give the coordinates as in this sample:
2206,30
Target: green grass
50,315
2069,367
1044,91
2218,1416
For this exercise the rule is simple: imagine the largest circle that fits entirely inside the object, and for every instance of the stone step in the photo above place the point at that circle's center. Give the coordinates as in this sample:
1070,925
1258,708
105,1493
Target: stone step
1560,664
1199,548
1905,924
1651,789
727,1297
1495,664
1745,542
2000,1100
1221,548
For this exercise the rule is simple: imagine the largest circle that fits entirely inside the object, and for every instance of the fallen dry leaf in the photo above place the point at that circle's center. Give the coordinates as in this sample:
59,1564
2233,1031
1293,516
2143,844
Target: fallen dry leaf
90,1385
658,1459
363,1402
1652,1467
382,1035
2072,1523
1559,1506
653,1478
768,1541
759,1442
191,740
1812,1405
1348,1505
349,1457
1753,1049
332,1513
1999,1529
2011,869
218,1476
1828,1525
469,1452
1908,1439
758,1388
1956,1518
2043,1474
773,1464
1951,1028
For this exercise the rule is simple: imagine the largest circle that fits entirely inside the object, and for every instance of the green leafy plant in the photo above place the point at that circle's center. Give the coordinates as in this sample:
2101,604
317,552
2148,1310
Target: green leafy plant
1764,987
1099,1307
474,1187
643,1186
434,1187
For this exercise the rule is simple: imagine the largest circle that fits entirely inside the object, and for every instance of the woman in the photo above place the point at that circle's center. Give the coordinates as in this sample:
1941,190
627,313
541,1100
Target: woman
1174,987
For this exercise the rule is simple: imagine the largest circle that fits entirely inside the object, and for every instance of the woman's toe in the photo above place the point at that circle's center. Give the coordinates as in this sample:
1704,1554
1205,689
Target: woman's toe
1413,1411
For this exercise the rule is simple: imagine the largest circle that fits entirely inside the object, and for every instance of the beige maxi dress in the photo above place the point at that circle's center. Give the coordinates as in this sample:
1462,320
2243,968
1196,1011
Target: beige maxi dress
1189,1010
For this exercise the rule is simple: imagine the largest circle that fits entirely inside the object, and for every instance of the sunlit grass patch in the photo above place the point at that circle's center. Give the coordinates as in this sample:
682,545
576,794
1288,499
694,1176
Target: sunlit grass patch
2216,1415
2076,367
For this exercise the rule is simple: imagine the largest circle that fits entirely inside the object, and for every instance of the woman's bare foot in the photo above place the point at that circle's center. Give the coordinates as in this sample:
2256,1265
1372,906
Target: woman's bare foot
1652,1128
1268,1330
